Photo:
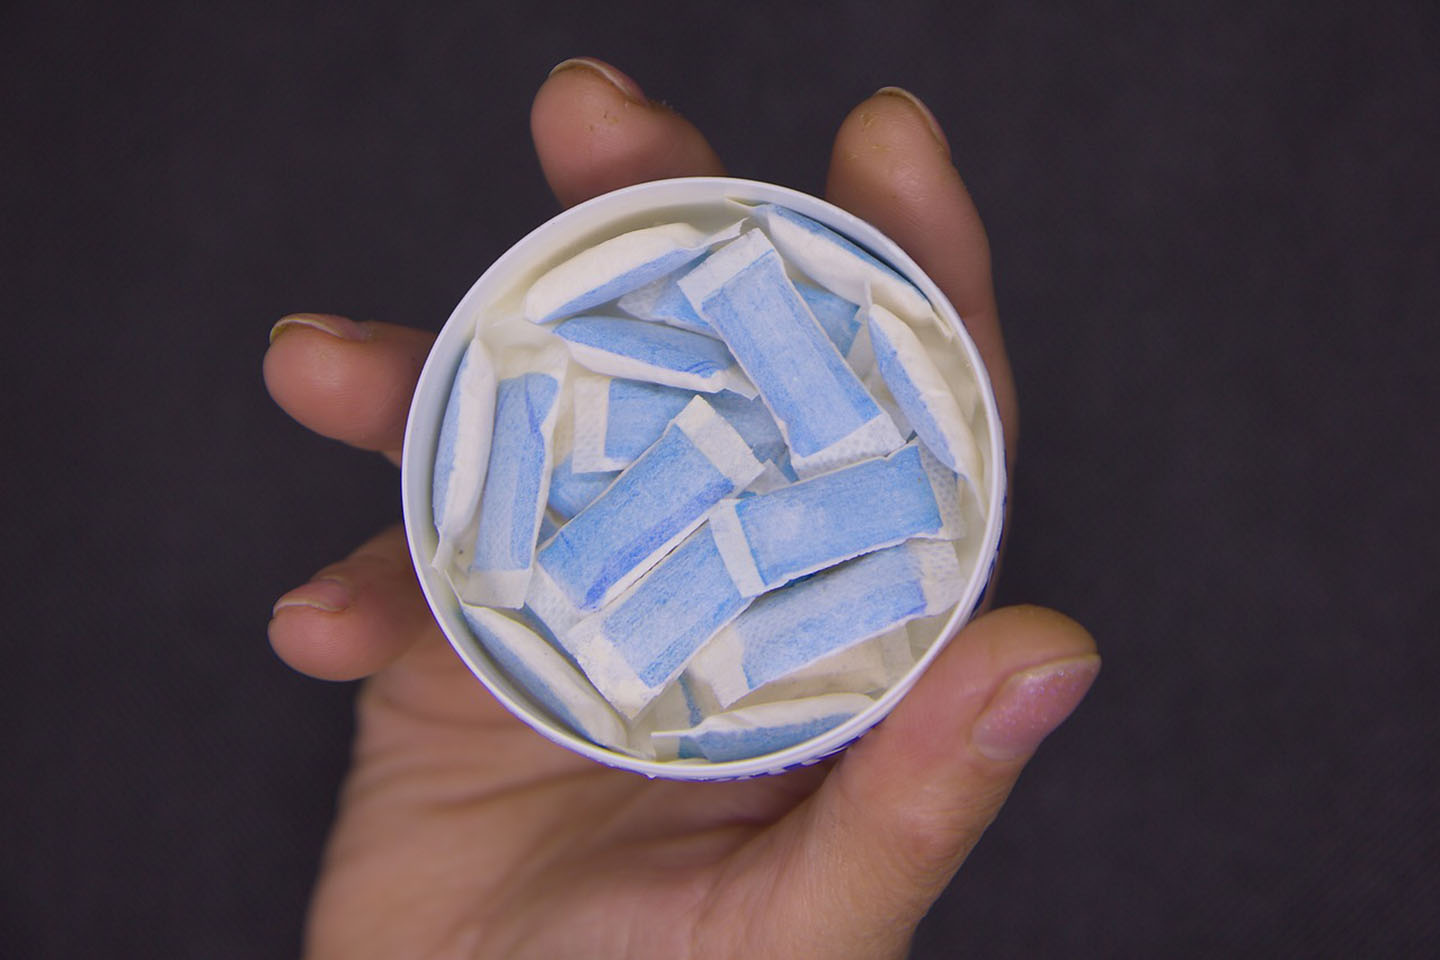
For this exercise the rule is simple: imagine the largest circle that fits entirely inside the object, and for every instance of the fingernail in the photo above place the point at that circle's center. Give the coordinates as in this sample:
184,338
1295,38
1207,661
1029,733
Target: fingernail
329,594
920,108
628,87
1030,704
342,327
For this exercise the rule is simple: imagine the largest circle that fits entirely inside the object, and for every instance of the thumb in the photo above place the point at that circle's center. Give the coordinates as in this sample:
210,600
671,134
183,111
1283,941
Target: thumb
905,805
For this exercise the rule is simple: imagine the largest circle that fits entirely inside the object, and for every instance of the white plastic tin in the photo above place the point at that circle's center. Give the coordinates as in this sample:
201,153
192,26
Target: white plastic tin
702,201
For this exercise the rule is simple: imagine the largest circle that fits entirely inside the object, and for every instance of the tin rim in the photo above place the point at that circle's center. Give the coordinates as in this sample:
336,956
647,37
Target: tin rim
542,246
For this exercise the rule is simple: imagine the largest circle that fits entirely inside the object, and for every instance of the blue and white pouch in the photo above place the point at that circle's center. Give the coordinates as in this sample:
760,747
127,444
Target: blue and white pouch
839,265
758,730
920,391
546,676
653,505
462,452
496,569
636,350
870,667
772,538
798,626
617,266
637,645
822,409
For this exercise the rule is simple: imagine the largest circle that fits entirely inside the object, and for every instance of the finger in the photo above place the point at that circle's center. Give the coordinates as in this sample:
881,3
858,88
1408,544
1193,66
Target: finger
353,617
596,131
346,380
891,166
906,804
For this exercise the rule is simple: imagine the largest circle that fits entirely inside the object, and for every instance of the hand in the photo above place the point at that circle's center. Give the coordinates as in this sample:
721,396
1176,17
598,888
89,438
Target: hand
462,833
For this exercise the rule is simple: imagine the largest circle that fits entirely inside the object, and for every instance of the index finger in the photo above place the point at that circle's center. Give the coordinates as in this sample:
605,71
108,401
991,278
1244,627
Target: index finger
595,131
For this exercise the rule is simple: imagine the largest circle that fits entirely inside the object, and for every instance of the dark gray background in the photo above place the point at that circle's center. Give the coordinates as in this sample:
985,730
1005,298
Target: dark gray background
1215,243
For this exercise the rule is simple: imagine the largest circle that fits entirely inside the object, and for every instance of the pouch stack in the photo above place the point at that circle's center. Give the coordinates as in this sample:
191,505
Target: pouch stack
710,494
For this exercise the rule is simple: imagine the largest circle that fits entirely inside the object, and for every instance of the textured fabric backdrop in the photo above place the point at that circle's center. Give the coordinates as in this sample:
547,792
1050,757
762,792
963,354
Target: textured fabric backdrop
1215,244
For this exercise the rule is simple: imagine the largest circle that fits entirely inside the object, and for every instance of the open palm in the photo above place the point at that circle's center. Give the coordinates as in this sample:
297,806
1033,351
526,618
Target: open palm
462,833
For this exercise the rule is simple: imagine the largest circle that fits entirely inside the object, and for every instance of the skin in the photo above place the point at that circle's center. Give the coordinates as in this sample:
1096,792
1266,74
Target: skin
461,833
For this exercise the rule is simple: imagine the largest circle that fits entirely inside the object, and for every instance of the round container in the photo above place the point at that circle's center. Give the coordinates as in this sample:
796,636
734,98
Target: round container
702,201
